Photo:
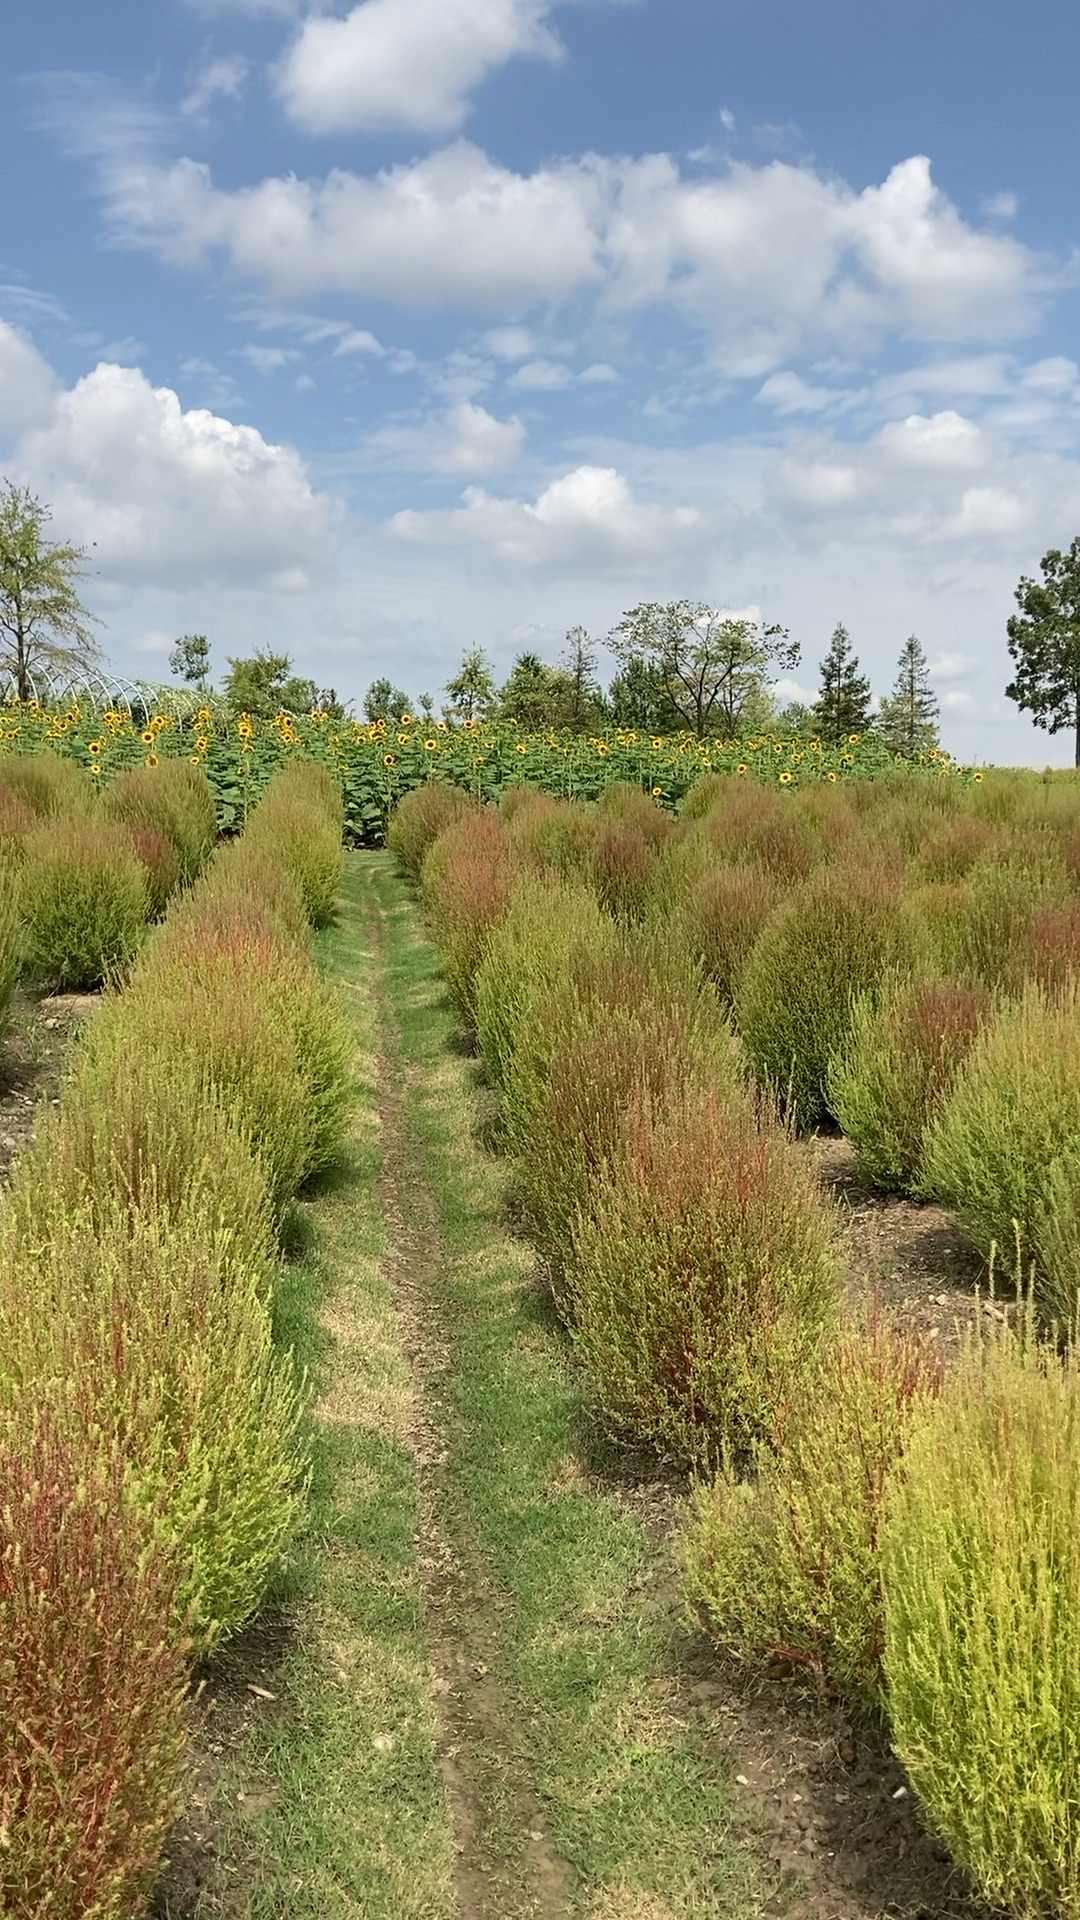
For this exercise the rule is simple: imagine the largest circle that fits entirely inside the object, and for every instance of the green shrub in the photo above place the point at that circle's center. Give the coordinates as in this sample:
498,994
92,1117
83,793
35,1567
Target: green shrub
949,854
83,901
174,800
700,1271
554,836
892,1074
168,1327
622,865
981,1556
629,1016
838,935
625,805
93,1682
10,941
298,822
1012,1118
466,879
420,817
788,1564
1006,896
720,916
548,926
47,783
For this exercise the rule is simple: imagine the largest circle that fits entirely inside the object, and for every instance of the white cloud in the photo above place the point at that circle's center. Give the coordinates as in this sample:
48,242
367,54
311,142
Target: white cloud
359,340
464,439
587,519
1001,206
28,385
789,393
509,343
541,376
942,441
599,375
950,666
167,495
270,359
406,63
767,260
218,80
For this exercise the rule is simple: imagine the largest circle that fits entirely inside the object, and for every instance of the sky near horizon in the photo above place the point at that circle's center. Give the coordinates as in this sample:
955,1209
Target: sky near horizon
368,334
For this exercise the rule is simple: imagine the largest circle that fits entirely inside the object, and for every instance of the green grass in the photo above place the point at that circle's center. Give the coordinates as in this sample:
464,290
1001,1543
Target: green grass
350,1815
499,1731
584,1627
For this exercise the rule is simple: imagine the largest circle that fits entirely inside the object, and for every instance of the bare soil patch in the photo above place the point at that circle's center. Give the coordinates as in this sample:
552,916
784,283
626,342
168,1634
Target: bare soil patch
32,1061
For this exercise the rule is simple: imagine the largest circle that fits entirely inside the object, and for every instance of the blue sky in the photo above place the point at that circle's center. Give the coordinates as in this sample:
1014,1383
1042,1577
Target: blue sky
369,334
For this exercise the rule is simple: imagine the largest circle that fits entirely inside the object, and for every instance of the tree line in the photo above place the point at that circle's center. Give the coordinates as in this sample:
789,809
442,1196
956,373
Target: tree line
681,664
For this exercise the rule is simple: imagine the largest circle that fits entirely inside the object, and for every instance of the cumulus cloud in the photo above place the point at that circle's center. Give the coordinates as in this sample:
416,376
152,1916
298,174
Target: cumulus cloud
587,519
28,385
464,439
406,63
172,496
767,260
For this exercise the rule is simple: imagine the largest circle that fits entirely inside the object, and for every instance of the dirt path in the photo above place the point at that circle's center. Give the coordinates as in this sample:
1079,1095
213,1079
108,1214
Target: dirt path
476,1743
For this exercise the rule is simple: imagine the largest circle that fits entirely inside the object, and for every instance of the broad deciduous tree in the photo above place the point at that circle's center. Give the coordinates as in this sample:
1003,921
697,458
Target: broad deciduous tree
45,627
1044,642
714,667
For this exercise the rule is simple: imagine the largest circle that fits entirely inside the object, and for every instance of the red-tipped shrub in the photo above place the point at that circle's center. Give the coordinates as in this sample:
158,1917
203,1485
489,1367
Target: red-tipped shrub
624,805
17,817
1053,945
554,836
92,1682
700,1272
720,918
622,867
175,799
466,878
420,817
47,783
160,867
951,852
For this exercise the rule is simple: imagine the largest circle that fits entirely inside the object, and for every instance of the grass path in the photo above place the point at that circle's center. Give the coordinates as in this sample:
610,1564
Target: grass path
479,1714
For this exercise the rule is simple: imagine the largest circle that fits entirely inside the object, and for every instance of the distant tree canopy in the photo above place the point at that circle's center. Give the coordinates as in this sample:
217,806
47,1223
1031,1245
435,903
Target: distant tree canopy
1044,642
190,659
908,718
44,627
843,702
714,668
471,692
265,684
384,701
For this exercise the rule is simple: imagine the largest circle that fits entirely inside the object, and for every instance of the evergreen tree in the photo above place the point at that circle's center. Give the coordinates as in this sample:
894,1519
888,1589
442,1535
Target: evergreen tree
584,707
843,704
908,721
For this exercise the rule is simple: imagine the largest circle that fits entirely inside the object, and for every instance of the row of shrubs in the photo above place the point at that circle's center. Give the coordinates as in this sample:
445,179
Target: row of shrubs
663,1008
152,1449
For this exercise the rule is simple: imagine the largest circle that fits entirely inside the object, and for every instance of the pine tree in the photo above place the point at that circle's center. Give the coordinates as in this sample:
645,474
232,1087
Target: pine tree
843,704
908,721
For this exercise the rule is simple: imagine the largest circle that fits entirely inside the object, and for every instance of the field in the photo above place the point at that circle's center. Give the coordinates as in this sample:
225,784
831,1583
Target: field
561,1327
377,765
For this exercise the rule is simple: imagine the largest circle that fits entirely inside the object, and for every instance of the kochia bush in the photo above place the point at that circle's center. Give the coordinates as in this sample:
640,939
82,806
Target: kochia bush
93,1689
467,878
982,1617
83,901
418,820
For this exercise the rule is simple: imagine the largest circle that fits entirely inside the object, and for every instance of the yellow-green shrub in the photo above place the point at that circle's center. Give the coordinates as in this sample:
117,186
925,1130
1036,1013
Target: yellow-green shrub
174,799
700,1271
1012,1118
167,1324
47,783
788,1563
419,818
981,1553
893,1073
83,901
93,1675
836,936
298,822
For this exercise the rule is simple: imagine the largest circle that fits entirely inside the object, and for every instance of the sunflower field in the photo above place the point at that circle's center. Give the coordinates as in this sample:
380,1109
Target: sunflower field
378,764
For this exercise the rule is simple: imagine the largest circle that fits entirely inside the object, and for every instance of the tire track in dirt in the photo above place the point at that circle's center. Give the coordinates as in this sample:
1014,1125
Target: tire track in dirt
488,1799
